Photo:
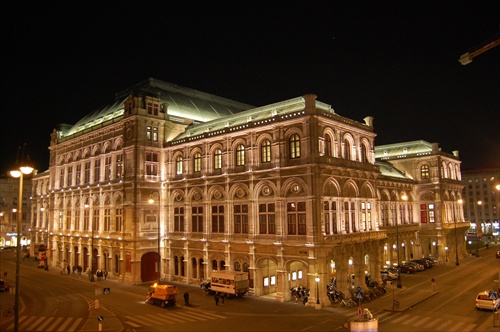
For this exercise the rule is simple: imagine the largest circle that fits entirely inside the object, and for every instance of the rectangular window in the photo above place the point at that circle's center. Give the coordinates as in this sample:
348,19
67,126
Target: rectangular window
149,133
179,219
78,175
95,220
423,213
119,220
267,224
61,177
218,159
69,181
296,218
155,134
217,218
107,220
77,219
87,172
68,219
197,219
107,168
86,220
97,170
241,218
119,166
151,163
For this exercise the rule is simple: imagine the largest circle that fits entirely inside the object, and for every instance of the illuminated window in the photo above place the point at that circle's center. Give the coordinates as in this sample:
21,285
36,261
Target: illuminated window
197,162
294,146
178,165
240,155
218,159
266,151
424,172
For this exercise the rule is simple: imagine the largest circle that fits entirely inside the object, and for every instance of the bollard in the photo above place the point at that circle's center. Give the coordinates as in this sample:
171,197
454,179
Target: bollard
496,319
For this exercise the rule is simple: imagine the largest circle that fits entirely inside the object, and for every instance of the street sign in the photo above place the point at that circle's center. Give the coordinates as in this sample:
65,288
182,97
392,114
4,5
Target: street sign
106,291
360,312
100,318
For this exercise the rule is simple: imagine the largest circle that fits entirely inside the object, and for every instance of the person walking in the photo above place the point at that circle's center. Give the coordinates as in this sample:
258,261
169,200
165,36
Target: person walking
216,297
68,269
186,298
223,296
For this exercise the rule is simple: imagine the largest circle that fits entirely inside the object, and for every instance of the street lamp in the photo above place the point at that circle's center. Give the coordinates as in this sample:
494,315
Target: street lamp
404,198
479,227
446,249
91,216
460,201
317,290
19,173
151,201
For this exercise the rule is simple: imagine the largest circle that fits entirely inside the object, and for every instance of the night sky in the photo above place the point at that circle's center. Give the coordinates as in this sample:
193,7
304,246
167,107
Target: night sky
396,61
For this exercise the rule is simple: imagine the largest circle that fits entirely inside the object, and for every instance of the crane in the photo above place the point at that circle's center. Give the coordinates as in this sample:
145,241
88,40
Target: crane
486,45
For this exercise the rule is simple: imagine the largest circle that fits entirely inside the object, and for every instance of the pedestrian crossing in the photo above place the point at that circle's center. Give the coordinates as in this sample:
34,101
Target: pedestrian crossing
170,318
47,323
422,322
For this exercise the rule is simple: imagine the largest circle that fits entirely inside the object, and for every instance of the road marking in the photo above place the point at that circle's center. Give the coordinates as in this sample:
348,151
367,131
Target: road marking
75,324
45,323
57,321
423,320
33,325
66,323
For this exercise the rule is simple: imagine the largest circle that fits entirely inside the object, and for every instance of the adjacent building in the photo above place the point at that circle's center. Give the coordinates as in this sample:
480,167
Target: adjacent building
481,202
291,193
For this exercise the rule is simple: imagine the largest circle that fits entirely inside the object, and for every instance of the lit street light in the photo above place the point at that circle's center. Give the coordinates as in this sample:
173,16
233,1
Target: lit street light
460,201
400,285
19,173
151,201
317,291
91,216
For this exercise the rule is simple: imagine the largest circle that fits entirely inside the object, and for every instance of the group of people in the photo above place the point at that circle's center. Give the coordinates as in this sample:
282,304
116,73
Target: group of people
219,295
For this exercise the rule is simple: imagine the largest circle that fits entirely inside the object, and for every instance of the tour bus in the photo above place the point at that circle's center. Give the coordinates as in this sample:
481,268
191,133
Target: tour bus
233,283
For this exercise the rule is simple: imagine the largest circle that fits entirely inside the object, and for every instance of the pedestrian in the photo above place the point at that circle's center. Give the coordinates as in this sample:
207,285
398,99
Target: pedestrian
216,297
105,274
68,269
223,296
186,298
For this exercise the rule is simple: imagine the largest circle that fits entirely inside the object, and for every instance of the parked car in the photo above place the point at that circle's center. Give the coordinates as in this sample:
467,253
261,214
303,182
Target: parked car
4,286
430,260
488,300
418,267
426,263
389,273
406,268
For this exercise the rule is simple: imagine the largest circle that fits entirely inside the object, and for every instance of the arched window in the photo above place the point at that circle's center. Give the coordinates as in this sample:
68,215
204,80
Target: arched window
363,154
294,146
328,146
265,151
240,155
197,162
178,165
347,149
424,171
218,159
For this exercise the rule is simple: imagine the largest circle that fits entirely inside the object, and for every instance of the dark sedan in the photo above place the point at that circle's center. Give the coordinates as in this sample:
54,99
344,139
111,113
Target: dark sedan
406,268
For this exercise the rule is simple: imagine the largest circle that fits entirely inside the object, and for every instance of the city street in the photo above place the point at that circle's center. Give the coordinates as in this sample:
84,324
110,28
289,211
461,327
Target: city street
54,302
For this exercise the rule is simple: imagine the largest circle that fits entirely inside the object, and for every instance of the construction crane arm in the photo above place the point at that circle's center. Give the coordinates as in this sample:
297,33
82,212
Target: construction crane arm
488,44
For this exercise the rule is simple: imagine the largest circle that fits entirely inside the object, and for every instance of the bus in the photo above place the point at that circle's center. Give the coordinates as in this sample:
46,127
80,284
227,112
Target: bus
233,283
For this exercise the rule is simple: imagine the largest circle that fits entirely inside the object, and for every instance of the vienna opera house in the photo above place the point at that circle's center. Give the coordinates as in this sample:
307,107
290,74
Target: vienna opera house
171,183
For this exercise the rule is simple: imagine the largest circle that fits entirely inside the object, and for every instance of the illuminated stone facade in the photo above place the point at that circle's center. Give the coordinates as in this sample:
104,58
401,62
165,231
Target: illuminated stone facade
287,192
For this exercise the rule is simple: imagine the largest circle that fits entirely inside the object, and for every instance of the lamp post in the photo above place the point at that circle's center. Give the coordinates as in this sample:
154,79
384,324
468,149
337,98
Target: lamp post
400,285
460,201
151,201
479,228
446,249
317,290
92,279
19,173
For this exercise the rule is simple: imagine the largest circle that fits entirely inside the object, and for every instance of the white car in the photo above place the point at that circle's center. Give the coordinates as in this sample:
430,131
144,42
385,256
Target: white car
488,300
